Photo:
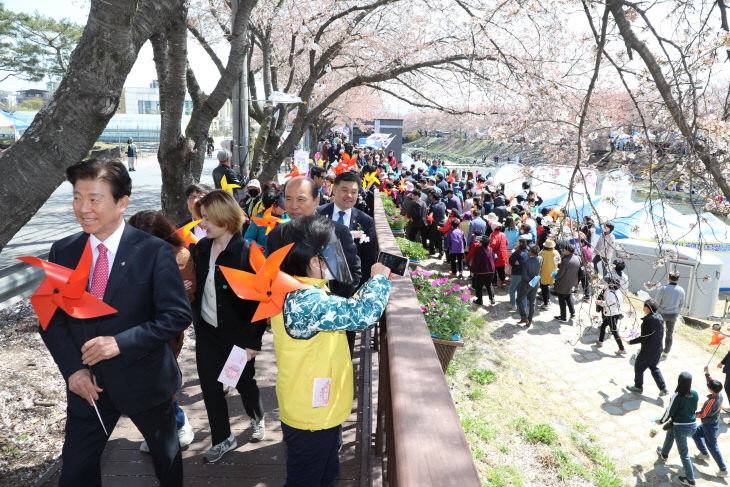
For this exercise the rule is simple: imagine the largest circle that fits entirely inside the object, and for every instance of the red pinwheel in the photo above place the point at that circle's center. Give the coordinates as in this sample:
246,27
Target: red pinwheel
269,285
66,289
294,173
346,163
187,234
267,220
717,337
430,218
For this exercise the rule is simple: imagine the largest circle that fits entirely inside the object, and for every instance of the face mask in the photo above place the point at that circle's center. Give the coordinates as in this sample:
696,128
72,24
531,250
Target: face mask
328,275
253,193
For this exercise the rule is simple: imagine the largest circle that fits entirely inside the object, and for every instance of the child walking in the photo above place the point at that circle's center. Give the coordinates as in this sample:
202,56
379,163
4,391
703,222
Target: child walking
611,304
706,435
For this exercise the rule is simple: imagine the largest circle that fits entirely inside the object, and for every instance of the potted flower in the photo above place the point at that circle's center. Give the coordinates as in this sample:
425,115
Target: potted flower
413,251
445,306
652,433
397,224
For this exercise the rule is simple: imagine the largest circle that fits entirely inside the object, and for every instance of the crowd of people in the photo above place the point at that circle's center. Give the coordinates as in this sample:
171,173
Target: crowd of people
506,242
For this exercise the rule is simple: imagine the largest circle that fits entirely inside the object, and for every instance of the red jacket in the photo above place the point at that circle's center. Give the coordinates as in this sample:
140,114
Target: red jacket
498,243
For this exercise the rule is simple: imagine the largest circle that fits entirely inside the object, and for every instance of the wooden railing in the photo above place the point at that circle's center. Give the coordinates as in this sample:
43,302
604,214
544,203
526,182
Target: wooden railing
418,432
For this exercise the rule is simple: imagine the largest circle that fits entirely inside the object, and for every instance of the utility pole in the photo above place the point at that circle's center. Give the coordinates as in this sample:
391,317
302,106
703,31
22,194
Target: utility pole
239,100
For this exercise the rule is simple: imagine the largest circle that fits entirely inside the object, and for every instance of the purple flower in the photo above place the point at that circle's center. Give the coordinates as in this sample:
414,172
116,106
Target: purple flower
465,297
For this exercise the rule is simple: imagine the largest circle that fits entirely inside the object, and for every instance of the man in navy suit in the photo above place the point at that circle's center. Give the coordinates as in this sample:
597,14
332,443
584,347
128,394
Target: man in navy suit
343,211
301,199
122,361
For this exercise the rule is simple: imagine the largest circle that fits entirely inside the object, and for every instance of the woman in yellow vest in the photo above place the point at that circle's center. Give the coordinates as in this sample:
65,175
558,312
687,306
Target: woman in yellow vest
314,383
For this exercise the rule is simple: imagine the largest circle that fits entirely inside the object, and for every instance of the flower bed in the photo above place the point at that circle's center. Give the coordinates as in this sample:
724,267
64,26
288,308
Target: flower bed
392,214
444,303
413,251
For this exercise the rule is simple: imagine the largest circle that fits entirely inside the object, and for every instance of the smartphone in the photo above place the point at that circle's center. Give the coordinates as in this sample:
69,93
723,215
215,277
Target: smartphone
396,264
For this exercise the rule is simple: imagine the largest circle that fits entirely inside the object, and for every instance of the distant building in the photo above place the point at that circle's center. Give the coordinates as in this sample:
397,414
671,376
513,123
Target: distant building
33,94
8,99
146,101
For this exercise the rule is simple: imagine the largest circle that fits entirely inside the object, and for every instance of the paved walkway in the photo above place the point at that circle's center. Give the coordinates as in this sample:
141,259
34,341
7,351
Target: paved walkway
251,464
589,383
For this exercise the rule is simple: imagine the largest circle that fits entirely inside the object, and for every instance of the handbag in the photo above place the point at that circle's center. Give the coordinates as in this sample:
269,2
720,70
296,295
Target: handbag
668,425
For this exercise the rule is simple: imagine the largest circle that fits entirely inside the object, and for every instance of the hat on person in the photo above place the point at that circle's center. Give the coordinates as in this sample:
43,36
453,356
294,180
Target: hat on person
468,215
491,188
254,183
547,220
492,217
549,244
525,236
495,225
223,155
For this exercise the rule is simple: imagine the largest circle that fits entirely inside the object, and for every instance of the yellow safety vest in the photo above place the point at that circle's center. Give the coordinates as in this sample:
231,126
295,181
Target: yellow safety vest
300,361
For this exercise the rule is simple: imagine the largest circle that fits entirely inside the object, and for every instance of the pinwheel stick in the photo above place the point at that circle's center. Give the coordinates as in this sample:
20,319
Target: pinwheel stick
713,354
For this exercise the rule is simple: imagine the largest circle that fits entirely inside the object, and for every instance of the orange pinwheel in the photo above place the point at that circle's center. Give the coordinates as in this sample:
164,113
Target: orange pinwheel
294,173
402,185
512,198
450,179
267,220
66,289
269,285
345,164
186,233
717,337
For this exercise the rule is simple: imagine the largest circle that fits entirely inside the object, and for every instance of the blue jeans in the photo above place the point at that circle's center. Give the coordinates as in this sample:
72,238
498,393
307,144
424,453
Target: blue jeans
514,283
680,433
706,439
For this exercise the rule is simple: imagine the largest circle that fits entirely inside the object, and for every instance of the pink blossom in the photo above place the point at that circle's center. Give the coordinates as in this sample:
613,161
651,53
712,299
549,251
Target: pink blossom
456,288
465,297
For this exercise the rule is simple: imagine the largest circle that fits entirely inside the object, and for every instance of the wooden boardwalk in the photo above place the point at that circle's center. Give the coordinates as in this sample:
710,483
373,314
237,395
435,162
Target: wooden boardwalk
251,464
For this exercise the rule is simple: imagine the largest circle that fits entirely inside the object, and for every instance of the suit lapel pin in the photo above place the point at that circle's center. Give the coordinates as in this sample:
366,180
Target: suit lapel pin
123,264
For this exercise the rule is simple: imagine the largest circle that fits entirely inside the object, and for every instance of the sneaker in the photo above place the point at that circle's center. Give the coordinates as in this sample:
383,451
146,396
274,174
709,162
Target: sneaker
599,344
258,431
144,448
663,392
664,355
638,390
186,433
492,303
722,473
227,389
543,306
686,481
476,301
662,457
621,351
702,456
217,452
560,319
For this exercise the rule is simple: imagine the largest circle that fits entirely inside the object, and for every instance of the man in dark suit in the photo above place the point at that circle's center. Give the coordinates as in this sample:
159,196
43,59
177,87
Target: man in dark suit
343,211
300,199
121,361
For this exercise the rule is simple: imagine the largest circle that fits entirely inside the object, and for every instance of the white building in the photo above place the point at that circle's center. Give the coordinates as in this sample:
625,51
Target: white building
146,101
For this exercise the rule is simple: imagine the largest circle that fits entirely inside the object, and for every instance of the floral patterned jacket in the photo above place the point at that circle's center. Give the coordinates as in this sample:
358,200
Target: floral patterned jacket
311,310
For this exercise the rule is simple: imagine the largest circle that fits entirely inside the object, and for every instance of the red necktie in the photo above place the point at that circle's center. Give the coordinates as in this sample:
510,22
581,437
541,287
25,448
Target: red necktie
101,273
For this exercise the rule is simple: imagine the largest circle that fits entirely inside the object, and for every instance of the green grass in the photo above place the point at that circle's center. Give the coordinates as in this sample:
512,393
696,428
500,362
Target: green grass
482,376
479,428
567,466
503,476
535,433
476,394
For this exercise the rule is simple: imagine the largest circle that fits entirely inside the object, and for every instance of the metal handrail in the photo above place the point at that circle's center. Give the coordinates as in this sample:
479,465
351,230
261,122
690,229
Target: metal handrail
418,432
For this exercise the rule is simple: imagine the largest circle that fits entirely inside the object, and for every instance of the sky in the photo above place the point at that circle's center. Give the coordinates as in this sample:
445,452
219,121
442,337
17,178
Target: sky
143,71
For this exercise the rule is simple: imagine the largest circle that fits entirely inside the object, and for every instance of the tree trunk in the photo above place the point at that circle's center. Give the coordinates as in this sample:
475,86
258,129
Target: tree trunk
174,153
66,129
182,158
